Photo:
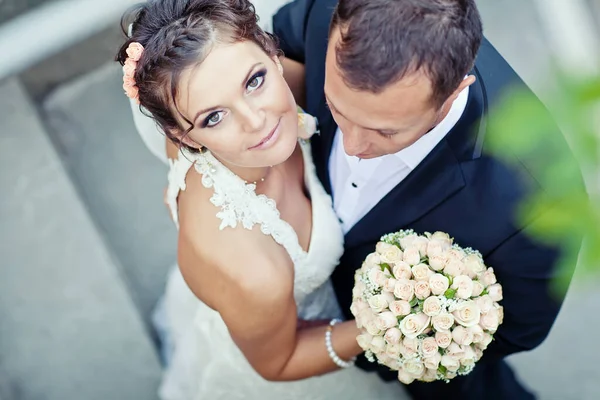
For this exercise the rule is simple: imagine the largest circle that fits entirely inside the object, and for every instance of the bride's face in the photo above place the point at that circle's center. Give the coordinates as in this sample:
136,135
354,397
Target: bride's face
240,106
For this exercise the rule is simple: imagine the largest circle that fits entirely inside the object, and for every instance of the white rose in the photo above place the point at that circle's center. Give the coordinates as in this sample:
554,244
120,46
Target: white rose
461,335
438,263
407,240
412,256
405,377
377,276
386,320
488,277
400,307
495,292
485,342
442,322
422,290
485,303
363,317
434,248
421,272
477,332
433,361
438,284
389,253
432,306
474,265
364,341
477,288
378,344
393,350
393,335
372,261
404,289
430,375
456,254
455,350
421,244
490,321
414,324
378,303
478,353
454,268
467,313
442,237
429,347
414,367
500,310
407,352
443,339
463,286
451,363
468,358
389,285
372,328
411,344
402,270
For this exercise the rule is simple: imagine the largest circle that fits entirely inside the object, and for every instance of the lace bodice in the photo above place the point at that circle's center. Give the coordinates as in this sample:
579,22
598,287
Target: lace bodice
237,202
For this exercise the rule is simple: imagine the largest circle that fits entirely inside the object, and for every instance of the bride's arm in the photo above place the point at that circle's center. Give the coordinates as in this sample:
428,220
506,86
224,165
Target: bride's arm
249,280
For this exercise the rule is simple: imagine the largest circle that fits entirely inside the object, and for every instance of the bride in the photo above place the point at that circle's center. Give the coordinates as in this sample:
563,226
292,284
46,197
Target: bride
258,237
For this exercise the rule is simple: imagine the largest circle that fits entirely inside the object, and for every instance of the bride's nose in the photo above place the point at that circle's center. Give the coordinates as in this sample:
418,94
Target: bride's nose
254,118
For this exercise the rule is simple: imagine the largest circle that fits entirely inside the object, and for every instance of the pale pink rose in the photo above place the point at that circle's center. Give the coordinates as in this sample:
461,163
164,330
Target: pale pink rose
134,51
477,332
442,237
393,350
389,297
430,375
455,350
414,324
128,80
452,364
478,353
377,277
421,244
386,320
402,270
364,341
461,335
404,289
389,253
429,347
358,306
454,268
495,292
488,277
422,290
407,240
485,342
432,306
378,303
129,69
463,286
443,339
500,314
400,307
474,265
434,248
485,303
438,263
378,344
433,361
371,327
411,344
358,290
456,254
384,358
477,288
390,285
372,260
438,284
489,321
467,313
468,358
421,272
407,352
442,322
393,335
405,377
414,367
131,91
412,256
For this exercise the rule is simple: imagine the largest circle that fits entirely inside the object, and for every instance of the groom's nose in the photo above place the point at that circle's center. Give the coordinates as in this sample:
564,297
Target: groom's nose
354,141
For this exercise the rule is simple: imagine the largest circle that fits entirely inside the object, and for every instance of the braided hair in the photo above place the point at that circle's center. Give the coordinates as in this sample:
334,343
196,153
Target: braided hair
176,35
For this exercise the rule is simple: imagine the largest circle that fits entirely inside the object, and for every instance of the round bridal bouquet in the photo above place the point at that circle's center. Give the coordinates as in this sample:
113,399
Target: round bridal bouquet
426,307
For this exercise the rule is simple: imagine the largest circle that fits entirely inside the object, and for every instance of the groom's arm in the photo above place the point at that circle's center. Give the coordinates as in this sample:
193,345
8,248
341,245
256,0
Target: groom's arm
526,270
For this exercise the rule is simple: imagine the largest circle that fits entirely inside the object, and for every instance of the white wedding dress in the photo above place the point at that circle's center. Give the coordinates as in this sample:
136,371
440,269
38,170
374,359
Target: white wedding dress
205,362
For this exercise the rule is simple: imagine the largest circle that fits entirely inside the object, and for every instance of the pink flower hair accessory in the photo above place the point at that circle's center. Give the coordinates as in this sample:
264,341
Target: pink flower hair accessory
134,53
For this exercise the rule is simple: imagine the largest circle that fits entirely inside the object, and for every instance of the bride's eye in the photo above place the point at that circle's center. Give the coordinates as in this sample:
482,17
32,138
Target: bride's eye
256,81
212,119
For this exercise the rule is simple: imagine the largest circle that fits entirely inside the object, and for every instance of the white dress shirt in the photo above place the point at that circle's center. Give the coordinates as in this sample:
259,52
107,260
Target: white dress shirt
358,185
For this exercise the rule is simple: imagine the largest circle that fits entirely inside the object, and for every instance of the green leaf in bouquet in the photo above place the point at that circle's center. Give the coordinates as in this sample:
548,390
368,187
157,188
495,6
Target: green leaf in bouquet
442,370
387,266
414,302
450,293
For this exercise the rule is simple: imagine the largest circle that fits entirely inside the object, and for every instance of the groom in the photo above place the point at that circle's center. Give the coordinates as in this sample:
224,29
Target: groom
403,90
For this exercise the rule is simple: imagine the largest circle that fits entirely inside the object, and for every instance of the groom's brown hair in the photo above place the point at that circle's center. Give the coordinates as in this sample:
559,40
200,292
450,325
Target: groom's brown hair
382,41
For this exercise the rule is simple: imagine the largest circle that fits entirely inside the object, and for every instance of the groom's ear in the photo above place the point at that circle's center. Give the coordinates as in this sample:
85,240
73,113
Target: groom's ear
468,81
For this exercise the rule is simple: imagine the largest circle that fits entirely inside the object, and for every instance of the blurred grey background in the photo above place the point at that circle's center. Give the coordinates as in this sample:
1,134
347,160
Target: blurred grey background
86,243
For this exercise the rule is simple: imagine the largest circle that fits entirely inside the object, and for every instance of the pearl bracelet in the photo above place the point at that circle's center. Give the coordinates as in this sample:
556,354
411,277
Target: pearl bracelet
332,354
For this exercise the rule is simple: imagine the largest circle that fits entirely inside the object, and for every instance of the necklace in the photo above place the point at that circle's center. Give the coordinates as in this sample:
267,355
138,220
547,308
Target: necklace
260,180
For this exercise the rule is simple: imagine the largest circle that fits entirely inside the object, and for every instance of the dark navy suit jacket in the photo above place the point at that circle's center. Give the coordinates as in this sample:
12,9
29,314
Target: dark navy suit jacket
459,189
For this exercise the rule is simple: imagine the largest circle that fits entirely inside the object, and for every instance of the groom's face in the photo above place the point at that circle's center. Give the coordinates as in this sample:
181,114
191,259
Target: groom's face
376,124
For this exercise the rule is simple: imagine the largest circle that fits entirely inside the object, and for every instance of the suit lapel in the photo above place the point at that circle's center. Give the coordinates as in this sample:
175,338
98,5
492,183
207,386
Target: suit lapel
322,145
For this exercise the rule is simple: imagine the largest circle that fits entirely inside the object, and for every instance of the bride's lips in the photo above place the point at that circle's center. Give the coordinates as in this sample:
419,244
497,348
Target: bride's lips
268,140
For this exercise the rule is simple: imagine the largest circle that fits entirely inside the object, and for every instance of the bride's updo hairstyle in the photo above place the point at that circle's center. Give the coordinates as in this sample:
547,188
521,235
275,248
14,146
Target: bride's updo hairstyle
176,35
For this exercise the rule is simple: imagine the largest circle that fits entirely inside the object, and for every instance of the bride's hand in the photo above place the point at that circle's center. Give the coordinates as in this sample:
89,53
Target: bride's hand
305,324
